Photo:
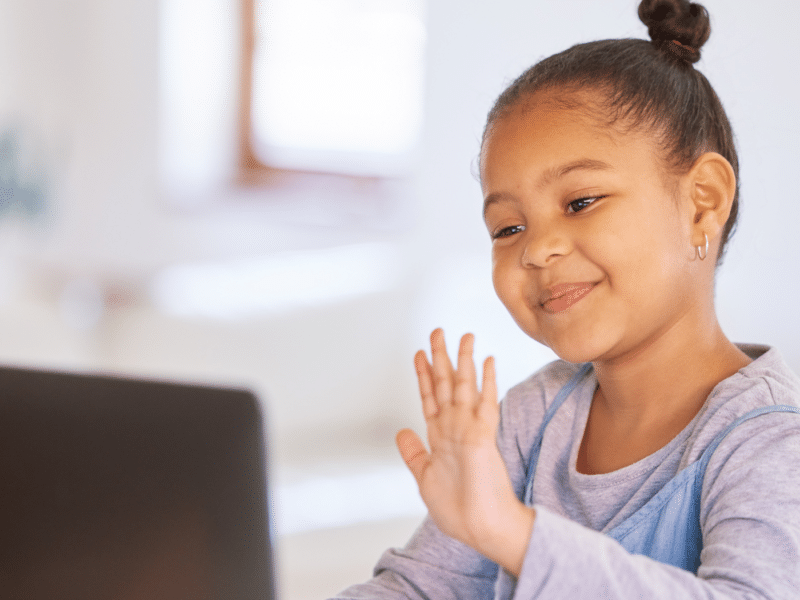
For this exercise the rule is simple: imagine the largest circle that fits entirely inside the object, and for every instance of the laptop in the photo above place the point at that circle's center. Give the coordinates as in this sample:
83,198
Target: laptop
118,488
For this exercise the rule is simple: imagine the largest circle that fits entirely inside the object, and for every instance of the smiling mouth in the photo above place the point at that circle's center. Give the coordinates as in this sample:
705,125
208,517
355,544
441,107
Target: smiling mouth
565,296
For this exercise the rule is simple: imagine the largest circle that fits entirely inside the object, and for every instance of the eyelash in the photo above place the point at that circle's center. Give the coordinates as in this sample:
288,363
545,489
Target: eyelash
508,231
573,211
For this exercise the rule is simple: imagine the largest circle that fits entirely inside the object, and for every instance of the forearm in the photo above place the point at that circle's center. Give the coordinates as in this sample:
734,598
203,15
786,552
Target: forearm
506,543
567,560
431,566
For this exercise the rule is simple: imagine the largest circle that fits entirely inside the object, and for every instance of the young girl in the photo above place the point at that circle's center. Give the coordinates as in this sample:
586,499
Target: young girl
657,459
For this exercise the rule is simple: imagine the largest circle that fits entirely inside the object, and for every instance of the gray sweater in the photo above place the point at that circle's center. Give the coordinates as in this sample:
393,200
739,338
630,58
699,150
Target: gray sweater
750,508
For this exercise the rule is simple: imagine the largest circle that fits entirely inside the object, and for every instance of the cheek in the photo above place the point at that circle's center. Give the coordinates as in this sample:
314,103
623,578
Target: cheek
507,283
633,244
513,289
647,266
500,277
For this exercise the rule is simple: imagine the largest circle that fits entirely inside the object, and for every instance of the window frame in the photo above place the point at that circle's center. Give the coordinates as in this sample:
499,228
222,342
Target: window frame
251,171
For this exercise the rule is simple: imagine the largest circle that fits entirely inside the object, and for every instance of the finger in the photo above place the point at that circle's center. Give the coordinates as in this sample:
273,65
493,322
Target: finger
489,384
413,452
465,390
442,369
488,396
429,406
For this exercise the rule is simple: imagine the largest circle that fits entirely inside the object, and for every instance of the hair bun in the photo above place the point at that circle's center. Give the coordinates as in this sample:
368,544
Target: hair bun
679,27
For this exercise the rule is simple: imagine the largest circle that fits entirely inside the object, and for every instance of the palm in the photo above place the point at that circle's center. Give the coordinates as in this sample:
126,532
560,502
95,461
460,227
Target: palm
462,480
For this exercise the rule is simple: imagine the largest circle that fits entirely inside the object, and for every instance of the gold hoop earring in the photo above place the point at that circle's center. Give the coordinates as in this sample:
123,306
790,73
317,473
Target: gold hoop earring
702,255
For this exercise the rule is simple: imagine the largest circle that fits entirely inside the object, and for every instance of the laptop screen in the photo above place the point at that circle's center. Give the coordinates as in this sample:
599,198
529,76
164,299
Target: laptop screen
120,488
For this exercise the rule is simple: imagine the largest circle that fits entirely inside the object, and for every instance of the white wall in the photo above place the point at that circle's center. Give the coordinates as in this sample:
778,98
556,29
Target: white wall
82,77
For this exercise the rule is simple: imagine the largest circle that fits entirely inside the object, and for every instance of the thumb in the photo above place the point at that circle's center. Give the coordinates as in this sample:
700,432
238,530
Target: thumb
413,452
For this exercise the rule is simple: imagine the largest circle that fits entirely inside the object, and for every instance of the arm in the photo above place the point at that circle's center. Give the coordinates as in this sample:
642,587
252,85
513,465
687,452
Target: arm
431,566
750,517
751,506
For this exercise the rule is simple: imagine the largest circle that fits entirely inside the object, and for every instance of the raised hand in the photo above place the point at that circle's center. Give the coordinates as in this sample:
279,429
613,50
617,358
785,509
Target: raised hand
463,479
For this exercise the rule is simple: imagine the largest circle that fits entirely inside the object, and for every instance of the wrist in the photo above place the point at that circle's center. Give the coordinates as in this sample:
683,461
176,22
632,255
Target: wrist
508,542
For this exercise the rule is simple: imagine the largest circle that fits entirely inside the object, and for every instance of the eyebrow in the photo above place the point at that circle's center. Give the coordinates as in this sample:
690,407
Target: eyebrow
584,164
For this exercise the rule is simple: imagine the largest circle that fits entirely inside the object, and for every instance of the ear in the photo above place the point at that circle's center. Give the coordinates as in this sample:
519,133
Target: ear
712,187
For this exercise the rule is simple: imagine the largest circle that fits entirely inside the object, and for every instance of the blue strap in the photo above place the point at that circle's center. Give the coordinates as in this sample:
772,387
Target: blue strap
667,528
562,395
757,412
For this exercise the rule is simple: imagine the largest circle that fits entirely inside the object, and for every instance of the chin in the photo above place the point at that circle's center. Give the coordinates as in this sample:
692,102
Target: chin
578,351
574,355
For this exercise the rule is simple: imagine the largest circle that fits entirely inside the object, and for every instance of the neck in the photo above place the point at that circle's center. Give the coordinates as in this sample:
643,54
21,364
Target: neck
667,381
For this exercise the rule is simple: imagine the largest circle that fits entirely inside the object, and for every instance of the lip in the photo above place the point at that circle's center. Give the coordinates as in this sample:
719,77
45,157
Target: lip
559,298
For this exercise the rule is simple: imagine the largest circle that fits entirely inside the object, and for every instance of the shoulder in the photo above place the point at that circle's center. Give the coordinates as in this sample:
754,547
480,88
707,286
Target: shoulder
766,381
764,393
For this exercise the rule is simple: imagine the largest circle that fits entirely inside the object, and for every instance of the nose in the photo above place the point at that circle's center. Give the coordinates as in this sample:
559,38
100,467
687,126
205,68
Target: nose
544,245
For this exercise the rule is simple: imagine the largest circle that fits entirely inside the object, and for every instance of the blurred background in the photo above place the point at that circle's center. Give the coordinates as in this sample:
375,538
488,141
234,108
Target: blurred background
281,194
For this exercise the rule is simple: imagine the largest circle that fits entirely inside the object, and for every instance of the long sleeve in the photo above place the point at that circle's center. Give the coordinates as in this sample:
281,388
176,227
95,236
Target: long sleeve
750,519
431,566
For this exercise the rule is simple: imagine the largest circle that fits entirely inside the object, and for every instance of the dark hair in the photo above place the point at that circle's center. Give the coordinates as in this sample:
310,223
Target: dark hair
645,84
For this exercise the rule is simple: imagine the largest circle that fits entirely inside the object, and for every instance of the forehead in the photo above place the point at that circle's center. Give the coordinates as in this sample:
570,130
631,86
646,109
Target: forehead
542,132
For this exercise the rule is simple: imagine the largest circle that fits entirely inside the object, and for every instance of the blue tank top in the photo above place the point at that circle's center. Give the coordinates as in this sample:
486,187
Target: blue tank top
667,527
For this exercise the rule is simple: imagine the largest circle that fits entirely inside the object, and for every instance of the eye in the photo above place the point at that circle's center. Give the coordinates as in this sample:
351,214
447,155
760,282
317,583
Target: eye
578,205
507,231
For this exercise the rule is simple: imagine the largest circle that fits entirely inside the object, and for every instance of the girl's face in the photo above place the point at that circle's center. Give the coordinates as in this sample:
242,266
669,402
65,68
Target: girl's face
590,235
